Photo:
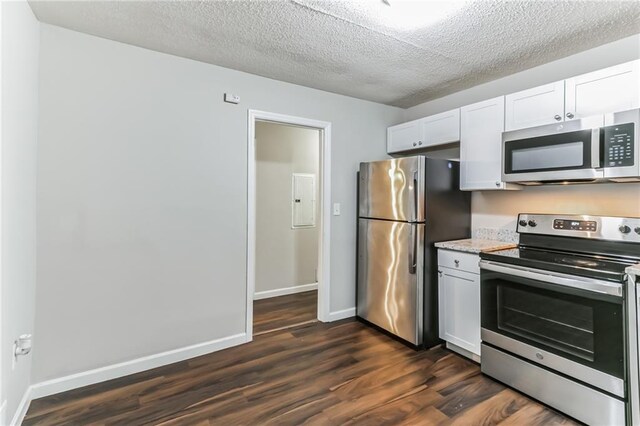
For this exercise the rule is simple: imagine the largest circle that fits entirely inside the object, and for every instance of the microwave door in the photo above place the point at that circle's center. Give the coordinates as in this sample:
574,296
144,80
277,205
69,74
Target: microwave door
393,189
552,153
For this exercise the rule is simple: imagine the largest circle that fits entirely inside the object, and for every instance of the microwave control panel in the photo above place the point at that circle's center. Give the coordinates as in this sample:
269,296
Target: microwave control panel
618,145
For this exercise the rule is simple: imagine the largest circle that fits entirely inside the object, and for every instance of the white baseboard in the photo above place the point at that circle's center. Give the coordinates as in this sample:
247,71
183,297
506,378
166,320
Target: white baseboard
284,291
23,407
345,313
114,371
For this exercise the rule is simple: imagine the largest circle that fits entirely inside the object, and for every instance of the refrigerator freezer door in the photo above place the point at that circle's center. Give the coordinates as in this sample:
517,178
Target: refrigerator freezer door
390,276
393,189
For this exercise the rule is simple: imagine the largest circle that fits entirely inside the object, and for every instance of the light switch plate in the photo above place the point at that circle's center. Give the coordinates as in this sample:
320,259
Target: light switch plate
336,209
231,98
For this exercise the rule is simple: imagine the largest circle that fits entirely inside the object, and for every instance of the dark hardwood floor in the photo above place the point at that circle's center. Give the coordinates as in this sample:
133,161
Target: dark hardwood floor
319,374
280,312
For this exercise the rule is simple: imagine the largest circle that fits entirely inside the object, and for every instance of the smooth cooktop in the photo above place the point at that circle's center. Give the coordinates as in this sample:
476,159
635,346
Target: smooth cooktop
594,266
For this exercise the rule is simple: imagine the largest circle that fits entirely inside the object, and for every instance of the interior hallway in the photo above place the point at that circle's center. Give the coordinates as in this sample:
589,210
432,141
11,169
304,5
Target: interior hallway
281,312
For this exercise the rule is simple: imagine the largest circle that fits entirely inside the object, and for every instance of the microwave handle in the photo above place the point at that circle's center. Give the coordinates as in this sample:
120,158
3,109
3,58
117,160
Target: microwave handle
595,148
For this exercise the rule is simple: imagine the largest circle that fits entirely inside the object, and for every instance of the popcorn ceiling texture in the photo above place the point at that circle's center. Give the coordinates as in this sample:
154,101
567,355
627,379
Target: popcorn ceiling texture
344,47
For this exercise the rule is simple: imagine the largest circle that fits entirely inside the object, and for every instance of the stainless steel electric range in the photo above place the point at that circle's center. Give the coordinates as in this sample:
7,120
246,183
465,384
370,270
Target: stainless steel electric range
555,322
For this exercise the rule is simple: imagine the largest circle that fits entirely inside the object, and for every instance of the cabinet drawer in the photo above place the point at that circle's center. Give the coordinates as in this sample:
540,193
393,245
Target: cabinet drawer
468,262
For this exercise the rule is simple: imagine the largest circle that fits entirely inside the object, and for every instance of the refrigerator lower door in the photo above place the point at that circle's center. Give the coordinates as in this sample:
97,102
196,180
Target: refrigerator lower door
390,276
393,189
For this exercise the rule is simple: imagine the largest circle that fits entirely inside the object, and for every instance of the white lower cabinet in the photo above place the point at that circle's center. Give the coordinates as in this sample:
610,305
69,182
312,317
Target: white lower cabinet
459,303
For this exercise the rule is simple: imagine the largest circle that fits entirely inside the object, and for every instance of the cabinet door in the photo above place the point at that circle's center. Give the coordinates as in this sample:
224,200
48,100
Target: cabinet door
459,307
441,128
481,127
535,107
404,136
609,90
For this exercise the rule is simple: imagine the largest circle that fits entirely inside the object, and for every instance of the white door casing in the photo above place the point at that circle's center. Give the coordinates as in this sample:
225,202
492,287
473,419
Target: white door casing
324,285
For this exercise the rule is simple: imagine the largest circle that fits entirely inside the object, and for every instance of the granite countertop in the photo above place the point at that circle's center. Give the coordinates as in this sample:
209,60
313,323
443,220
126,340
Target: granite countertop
475,245
633,270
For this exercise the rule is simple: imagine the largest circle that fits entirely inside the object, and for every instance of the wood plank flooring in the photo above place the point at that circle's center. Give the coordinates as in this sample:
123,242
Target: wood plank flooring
341,373
280,312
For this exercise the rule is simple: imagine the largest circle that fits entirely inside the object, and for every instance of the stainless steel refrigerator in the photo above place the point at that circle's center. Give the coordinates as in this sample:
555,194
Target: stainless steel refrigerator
405,205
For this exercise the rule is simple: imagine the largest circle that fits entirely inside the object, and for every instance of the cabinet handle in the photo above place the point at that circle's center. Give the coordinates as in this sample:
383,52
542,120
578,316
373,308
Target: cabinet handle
440,274
570,115
498,183
419,142
558,117
415,144
457,262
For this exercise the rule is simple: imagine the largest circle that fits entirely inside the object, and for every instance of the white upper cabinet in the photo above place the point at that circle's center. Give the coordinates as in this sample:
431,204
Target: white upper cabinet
426,132
441,128
608,90
535,107
404,136
481,127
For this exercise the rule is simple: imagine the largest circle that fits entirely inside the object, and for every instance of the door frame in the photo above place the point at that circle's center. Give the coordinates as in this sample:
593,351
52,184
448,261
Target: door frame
324,240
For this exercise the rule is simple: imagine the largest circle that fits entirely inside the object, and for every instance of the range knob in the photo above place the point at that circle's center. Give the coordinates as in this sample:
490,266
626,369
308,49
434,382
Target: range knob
532,223
522,222
637,230
624,229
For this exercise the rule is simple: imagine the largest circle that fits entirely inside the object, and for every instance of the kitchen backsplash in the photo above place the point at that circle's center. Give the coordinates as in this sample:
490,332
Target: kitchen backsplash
499,209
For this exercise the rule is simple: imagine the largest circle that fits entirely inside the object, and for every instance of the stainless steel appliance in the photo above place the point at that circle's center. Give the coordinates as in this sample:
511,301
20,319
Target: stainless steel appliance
634,348
599,148
405,205
554,313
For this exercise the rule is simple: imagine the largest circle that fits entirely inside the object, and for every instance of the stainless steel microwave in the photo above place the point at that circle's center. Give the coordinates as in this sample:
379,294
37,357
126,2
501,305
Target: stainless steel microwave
599,148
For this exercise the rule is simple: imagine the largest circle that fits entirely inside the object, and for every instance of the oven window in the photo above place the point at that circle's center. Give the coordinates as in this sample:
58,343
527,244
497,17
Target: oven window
576,324
548,157
563,324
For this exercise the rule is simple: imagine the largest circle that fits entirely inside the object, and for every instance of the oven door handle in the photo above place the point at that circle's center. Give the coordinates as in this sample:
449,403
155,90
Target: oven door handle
580,283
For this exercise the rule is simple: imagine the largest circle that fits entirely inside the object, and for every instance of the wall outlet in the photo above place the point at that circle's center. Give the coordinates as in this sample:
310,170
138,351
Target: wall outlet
231,98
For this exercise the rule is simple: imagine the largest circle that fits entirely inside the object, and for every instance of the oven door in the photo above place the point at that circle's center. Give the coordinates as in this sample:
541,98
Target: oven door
572,325
557,152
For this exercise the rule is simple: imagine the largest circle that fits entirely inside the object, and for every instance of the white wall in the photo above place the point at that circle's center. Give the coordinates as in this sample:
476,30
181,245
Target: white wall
20,44
498,209
142,197
285,257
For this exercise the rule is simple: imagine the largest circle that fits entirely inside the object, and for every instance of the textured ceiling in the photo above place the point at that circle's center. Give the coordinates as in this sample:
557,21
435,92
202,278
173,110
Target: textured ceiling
349,47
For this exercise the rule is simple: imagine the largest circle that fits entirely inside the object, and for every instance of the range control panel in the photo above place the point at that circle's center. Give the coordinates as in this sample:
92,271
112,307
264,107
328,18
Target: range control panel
618,145
575,225
581,226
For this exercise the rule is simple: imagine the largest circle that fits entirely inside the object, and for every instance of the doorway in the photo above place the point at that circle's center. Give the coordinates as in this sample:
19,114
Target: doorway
288,222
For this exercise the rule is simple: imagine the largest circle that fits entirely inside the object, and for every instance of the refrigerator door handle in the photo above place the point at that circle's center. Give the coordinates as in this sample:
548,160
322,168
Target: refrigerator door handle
414,249
415,196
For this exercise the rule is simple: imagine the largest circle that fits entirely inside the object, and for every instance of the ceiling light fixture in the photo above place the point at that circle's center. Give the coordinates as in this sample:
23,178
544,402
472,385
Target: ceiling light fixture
413,14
